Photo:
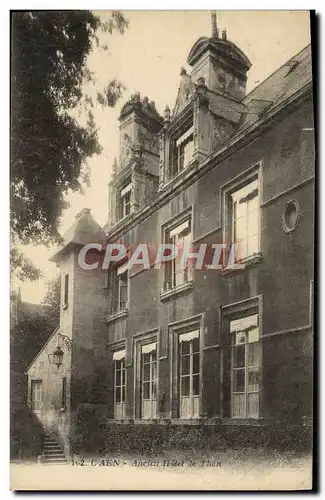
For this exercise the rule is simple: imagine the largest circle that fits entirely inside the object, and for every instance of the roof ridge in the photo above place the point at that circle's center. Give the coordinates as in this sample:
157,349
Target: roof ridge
43,346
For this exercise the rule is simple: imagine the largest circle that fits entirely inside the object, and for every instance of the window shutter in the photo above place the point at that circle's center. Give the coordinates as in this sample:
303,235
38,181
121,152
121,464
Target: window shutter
146,348
186,337
118,355
185,136
125,190
122,269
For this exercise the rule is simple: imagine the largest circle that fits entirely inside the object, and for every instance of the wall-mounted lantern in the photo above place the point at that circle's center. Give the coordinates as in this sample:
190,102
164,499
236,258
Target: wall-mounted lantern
56,357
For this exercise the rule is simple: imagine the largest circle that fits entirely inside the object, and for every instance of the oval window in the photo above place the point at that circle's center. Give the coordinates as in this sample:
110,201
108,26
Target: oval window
291,216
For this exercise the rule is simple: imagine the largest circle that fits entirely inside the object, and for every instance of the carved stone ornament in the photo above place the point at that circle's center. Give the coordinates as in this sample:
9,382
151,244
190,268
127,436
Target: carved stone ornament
126,152
201,91
185,92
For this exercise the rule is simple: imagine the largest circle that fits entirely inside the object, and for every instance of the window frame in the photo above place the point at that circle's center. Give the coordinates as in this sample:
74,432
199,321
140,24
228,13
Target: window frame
191,397
126,185
185,139
195,323
239,310
122,285
172,269
178,127
122,386
152,381
227,191
168,269
246,369
39,383
140,340
248,211
114,286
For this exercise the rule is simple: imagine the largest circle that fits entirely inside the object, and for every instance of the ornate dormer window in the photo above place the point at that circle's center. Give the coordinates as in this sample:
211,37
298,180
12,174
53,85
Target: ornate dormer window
135,175
185,139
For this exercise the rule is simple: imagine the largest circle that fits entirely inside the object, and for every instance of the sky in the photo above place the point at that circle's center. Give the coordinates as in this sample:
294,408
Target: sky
148,59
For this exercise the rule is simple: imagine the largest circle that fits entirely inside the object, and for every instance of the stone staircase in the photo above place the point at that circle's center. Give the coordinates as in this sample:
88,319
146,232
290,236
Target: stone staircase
53,452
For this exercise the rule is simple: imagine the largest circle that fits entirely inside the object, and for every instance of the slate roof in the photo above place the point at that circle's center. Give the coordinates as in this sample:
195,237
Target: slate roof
291,77
84,230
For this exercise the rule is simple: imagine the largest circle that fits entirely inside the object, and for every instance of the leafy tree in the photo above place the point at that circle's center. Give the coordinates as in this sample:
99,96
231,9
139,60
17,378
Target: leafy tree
31,327
49,146
52,298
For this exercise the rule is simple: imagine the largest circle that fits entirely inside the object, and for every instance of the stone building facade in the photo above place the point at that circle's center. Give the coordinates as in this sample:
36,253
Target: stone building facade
228,345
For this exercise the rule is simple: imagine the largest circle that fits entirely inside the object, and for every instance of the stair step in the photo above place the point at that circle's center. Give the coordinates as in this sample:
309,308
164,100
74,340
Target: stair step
53,452
56,460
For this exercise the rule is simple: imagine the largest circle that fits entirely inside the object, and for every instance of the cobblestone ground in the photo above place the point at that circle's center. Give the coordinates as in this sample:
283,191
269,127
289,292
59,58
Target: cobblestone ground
232,470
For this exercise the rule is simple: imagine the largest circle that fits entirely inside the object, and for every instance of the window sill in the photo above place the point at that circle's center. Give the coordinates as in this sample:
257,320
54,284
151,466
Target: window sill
121,313
195,421
172,292
243,421
65,306
251,261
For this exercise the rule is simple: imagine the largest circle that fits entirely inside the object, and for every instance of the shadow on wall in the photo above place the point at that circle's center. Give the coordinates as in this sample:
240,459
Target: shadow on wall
26,434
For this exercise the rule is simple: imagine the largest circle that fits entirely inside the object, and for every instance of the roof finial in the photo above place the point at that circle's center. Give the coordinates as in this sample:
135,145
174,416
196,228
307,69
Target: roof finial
214,27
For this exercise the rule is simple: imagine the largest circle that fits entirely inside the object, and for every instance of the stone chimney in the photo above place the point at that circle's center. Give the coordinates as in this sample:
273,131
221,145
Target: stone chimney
139,120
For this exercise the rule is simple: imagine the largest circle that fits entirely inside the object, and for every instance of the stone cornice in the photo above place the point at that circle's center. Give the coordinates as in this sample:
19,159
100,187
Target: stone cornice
188,177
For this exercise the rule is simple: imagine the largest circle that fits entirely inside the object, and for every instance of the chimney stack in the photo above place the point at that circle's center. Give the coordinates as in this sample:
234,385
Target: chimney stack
214,27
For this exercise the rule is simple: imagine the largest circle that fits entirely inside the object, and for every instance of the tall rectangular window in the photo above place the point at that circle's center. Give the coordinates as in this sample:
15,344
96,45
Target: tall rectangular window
245,366
149,380
189,374
119,288
64,393
245,214
36,394
175,273
119,384
122,288
184,151
66,289
125,199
